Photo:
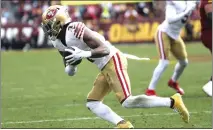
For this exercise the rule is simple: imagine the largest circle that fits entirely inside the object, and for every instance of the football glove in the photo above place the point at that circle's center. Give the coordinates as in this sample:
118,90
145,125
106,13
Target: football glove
76,54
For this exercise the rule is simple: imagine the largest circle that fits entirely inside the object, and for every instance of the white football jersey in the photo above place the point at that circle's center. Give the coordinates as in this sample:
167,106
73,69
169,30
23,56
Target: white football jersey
173,8
72,35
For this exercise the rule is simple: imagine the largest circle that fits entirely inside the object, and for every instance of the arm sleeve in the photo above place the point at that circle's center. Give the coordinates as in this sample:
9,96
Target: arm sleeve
172,16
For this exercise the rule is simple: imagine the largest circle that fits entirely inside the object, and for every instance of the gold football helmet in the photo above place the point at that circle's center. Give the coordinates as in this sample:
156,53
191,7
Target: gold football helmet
53,19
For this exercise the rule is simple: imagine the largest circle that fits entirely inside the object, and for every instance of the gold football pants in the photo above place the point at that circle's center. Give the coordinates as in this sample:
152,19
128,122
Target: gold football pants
113,77
165,44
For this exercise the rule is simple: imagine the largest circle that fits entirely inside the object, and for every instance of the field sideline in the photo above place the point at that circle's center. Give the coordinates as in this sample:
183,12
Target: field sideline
36,93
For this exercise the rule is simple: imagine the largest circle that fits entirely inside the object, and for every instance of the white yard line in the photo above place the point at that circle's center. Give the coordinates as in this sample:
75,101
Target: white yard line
93,118
42,106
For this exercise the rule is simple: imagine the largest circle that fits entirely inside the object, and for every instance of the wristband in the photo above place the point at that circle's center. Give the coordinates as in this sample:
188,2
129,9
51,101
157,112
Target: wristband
86,54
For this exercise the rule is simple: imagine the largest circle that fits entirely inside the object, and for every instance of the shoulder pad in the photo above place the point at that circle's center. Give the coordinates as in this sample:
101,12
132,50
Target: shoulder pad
78,28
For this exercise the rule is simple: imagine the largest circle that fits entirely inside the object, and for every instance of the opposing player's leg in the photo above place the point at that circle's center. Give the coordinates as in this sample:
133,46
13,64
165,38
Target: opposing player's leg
206,37
119,82
163,46
178,49
95,98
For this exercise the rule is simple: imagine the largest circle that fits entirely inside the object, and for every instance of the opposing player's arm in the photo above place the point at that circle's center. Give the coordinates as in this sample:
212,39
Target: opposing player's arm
208,10
94,42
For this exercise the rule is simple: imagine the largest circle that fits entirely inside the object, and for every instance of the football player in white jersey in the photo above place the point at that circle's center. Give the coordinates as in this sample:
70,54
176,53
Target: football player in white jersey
76,42
168,40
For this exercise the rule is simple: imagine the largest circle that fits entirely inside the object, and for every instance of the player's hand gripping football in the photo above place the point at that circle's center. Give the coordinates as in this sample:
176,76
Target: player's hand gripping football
76,54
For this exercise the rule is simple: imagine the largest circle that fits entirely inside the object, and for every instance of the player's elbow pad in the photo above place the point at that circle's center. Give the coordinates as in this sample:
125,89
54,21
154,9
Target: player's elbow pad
71,70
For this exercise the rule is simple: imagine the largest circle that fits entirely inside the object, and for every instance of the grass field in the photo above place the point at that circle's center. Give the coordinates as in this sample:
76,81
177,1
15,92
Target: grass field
36,93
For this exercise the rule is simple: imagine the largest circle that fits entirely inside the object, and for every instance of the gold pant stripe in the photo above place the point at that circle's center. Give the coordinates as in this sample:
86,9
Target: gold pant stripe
120,75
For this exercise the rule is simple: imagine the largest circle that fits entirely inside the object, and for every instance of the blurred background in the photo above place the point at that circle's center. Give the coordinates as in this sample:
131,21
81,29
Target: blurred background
120,22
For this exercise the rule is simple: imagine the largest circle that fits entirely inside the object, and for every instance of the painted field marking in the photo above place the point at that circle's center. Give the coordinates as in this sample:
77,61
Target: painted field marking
134,57
155,59
93,118
42,106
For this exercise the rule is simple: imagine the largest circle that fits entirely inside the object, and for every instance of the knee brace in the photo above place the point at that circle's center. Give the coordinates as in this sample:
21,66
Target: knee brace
183,63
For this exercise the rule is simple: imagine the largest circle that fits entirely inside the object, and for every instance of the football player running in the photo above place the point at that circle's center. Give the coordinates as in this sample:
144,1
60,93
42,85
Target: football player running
168,40
75,42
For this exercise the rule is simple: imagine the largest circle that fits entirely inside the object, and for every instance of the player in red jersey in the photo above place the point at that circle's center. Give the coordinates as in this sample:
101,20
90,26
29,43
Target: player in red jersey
206,34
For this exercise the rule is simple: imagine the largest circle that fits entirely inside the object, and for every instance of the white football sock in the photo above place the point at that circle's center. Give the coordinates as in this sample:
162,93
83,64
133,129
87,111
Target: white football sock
162,65
144,101
179,68
104,112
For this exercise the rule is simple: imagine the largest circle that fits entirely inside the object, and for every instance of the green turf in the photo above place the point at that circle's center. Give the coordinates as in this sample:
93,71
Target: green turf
36,93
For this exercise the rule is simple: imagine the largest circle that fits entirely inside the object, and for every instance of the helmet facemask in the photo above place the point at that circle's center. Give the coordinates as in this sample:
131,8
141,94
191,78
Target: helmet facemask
53,19
52,29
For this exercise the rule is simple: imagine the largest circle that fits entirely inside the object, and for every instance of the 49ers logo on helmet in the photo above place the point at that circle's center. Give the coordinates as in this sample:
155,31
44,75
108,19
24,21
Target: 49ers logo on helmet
51,13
